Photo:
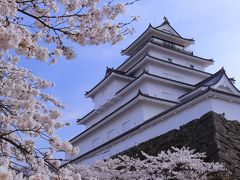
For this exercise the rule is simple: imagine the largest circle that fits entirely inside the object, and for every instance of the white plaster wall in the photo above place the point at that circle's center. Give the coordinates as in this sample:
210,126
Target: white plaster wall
173,122
108,91
123,99
149,110
133,113
173,73
176,58
164,90
231,109
128,119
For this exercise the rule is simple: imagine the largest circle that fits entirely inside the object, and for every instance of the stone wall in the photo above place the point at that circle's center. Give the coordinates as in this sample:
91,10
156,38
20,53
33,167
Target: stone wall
212,133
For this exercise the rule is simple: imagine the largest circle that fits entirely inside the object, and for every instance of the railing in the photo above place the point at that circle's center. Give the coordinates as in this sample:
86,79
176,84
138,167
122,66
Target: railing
171,46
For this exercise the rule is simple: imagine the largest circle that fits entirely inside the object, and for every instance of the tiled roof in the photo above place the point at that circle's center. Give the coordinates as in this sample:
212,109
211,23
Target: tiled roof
111,70
213,79
183,52
210,81
150,27
166,22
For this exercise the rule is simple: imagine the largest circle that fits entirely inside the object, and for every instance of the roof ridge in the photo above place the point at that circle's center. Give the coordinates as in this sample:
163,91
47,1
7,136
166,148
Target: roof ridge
165,21
111,70
150,27
219,73
191,55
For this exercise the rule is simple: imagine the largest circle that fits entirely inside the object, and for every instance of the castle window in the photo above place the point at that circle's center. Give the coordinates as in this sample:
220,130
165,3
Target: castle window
125,125
110,134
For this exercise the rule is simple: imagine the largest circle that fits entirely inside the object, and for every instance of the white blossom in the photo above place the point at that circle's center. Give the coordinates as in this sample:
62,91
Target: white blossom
26,25
179,164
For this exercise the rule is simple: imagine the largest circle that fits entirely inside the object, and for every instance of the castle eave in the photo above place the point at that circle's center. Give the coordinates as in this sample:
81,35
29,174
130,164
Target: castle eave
139,97
146,75
191,56
149,44
105,81
210,82
170,64
150,31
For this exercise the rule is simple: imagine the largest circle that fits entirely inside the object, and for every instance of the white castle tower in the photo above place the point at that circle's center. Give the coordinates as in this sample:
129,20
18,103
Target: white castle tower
160,87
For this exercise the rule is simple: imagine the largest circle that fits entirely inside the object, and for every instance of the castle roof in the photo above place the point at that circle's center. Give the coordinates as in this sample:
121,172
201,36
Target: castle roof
218,81
164,31
213,79
152,43
165,26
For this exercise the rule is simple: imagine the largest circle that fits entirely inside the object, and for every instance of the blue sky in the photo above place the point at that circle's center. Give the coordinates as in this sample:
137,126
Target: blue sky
213,24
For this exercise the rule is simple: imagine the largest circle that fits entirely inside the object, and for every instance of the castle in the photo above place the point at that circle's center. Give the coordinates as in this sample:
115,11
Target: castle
160,87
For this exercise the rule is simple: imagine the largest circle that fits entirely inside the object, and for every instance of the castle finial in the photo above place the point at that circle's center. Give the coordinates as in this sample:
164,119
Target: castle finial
108,71
140,92
222,70
165,20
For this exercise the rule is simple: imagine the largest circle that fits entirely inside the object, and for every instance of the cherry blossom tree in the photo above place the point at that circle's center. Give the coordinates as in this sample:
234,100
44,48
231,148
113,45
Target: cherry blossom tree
27,114
30,26
41,29
179,164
